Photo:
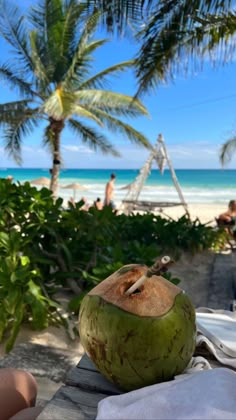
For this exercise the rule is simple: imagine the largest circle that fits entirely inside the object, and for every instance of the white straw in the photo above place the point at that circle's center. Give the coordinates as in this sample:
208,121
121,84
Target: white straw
165,260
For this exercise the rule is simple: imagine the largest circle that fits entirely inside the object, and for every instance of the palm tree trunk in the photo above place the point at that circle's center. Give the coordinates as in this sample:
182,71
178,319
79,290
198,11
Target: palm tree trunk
56,128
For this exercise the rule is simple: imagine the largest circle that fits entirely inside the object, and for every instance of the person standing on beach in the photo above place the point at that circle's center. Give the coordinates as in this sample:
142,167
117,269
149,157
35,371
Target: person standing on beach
109,192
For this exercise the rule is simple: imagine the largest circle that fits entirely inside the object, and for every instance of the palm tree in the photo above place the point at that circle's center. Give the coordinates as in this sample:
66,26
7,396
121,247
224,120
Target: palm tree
173,35
51,68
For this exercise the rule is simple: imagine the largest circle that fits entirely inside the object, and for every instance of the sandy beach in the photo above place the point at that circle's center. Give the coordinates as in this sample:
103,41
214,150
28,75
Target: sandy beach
206,213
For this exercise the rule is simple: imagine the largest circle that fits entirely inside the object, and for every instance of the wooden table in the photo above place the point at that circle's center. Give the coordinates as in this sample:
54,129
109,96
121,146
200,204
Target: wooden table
84,388
79,397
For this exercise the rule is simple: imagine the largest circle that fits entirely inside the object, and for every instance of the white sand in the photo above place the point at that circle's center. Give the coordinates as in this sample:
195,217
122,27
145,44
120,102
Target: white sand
205,212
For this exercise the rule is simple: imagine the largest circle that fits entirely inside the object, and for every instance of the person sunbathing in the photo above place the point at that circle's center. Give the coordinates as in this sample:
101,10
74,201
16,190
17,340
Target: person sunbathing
98,204
228,218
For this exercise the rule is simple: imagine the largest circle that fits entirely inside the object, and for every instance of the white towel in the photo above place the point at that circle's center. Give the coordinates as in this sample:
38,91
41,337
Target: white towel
208,394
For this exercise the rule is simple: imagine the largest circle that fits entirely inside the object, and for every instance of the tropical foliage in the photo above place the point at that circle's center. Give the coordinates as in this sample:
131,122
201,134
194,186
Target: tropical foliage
45,249
180,35
174,34
51,68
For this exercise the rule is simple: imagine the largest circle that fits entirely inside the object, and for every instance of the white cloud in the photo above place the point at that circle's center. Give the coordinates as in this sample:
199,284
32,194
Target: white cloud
200,154
77,149
41,151
27,149
179,151
193,155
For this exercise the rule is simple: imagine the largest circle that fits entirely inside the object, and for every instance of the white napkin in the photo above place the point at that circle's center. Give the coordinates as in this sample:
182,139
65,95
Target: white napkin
208,394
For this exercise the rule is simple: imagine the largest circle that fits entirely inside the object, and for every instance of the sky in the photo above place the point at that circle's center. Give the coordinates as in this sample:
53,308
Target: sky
195,114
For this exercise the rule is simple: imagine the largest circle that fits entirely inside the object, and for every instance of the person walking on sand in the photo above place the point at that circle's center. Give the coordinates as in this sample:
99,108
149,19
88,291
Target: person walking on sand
109,192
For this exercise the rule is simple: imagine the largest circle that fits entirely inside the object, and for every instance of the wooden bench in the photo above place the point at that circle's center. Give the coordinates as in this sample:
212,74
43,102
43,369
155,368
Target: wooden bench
79,397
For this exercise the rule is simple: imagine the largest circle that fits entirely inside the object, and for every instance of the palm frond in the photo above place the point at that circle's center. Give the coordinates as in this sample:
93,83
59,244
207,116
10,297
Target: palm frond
227,150
9,75
79,66
97,81
216,37
116,15
56,23
92,46
41,72
74,15
92,138
80,111
112,102
117,126
77,72
45,16
42,17
69,38
12,28
14,133
11,112
171,40
88,30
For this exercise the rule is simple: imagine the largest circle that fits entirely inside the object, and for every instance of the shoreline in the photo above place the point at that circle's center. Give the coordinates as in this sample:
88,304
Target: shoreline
213,187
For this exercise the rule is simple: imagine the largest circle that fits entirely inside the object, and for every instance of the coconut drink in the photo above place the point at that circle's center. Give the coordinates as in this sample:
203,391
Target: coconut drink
137,327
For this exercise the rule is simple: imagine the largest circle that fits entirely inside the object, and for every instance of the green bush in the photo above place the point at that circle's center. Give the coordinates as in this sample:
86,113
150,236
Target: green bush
45,248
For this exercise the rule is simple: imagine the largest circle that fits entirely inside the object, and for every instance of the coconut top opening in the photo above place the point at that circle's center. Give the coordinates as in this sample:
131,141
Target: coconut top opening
154,297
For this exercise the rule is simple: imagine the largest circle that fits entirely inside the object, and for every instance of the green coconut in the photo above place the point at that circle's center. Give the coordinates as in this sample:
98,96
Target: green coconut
139,339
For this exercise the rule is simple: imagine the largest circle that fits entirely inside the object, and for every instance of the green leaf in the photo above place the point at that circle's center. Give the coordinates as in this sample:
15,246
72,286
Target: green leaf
74,304
34,289
19,313
11,300
39,314
24,260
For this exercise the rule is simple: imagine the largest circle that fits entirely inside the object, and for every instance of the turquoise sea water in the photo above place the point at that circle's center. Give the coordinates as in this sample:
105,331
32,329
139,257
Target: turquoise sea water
198,186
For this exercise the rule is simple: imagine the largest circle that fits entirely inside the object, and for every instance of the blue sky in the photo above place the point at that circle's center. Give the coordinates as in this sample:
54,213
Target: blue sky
195,115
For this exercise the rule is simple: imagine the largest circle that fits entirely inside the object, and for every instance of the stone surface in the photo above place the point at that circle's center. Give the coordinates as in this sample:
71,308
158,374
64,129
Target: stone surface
41,361
195,273
221,288
208,278
47,354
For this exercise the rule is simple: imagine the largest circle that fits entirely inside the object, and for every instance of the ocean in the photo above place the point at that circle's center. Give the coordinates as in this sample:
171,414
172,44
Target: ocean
206,186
